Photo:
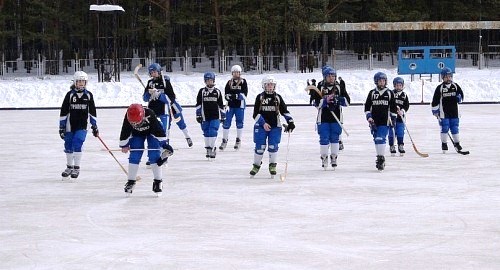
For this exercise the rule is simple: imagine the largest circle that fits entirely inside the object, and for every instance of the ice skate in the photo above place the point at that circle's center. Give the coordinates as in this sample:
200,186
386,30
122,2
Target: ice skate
209,151
444,147
129,186
380,163
392,149
401,149
333,161
255,170
341,145
67,172
324,162
223,145
237,144
75,172
457,146
157,187
189,142
213,153
272,169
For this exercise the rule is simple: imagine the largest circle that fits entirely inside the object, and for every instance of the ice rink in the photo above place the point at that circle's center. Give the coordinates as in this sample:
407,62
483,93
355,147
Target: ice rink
440,212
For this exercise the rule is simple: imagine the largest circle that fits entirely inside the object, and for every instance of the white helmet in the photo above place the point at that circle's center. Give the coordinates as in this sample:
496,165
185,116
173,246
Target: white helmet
268,80
80,76
235,68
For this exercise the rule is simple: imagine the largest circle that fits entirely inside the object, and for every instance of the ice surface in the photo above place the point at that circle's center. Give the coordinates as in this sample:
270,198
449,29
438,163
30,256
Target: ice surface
440,212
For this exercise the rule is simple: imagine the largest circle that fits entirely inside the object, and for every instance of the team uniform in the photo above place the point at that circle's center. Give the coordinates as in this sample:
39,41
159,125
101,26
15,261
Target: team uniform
380,110
329,101
78,108
140,125
398,127
267,128
444,104
235,93
161,98
314,96
210,112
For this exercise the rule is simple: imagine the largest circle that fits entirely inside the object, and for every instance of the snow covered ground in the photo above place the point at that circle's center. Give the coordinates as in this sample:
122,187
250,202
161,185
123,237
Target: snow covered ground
439,212
478,85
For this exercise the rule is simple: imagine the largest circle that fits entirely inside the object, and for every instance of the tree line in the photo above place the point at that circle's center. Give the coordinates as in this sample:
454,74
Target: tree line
30,27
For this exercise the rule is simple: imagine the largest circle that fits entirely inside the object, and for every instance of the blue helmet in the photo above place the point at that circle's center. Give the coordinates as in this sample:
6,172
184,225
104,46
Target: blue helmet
327,70
378,76
446,71
398,80
325,67
209,75
154,67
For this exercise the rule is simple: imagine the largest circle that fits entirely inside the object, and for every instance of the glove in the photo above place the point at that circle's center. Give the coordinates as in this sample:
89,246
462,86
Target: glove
330,99
339,101
199,119
95,131
290,127
459,98
165,154
435,112
62,132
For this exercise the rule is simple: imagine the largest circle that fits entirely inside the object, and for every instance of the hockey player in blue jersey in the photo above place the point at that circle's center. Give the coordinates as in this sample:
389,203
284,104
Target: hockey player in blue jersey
78,108
210,112
161,98
398,127
328,101
380,110
235,93
140,125
267,128
444,104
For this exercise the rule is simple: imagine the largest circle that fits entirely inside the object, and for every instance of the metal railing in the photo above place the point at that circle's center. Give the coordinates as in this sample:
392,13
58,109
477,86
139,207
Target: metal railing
256,64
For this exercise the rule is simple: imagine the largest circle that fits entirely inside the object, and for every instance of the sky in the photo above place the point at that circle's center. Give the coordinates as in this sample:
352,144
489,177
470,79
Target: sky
439,212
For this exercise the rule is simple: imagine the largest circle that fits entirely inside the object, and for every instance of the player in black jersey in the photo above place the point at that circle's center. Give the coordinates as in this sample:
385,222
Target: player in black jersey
402,106
161,98
380,110
235,93
140,125
267,128
210,112
445,102
77,109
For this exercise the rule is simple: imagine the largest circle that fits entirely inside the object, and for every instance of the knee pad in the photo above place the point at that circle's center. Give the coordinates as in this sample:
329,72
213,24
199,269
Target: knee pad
260,149
273,148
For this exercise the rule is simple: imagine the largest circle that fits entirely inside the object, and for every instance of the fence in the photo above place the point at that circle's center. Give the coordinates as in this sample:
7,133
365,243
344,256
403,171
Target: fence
341,60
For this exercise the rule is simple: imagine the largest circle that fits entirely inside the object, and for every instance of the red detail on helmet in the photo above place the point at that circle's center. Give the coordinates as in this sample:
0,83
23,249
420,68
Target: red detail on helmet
135,114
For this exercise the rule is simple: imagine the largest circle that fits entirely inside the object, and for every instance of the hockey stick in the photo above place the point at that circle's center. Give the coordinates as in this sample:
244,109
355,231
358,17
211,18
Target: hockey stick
111,153
136,74
139,149
285,173
340,123
453,142
412,143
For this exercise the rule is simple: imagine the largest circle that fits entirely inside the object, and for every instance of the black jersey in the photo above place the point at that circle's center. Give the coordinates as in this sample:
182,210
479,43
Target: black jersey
77,108
209,102
150,126
325,113
445,99
270,106
232,90
402,101
380,103
162,83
